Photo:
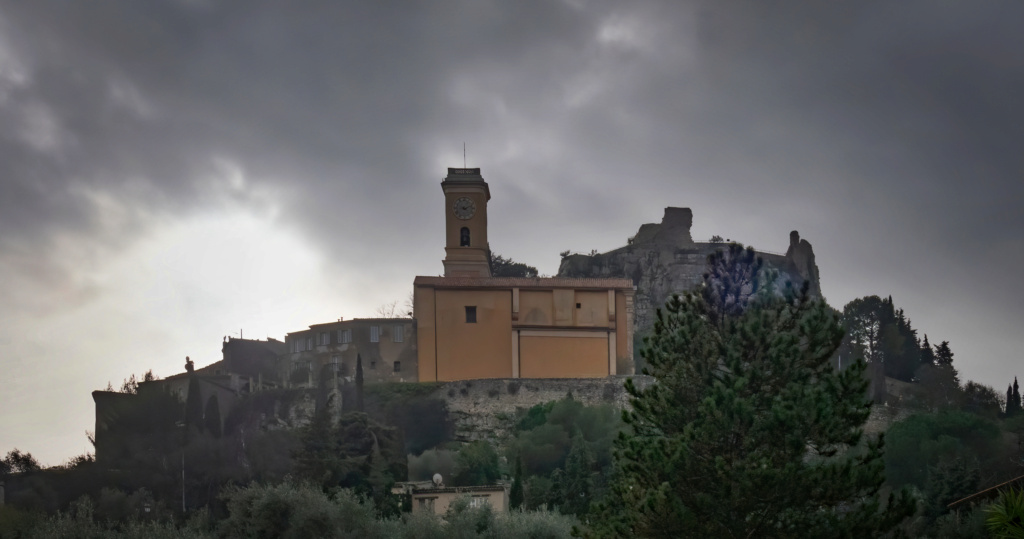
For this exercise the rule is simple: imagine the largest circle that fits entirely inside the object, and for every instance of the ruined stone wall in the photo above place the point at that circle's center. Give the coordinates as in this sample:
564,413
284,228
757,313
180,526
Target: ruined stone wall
662,259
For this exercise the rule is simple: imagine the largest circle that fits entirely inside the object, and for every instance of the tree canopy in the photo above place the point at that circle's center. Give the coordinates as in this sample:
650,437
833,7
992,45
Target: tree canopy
748,430
506,267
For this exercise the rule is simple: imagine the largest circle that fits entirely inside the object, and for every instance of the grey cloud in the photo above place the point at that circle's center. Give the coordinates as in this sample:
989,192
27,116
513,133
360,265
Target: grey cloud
890,128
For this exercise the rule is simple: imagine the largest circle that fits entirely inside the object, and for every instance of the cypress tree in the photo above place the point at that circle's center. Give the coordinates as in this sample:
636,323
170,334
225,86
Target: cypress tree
516,495
194,405
211,417
578,480
359,383
747,430
1013,403
910,353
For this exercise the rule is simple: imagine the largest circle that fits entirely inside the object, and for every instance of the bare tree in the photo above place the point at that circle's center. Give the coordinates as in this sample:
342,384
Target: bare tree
389,310
410,302
393,310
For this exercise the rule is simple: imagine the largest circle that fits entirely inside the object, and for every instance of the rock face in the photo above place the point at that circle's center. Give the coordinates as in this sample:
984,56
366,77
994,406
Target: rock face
662,259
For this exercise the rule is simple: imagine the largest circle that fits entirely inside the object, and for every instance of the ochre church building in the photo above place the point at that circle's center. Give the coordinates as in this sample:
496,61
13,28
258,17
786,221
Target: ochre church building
471,325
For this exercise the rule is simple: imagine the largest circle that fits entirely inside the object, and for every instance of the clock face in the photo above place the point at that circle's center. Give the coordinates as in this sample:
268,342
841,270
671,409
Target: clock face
464,208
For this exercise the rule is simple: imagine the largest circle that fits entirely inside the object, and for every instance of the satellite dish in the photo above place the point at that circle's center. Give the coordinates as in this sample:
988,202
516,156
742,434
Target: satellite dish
437,479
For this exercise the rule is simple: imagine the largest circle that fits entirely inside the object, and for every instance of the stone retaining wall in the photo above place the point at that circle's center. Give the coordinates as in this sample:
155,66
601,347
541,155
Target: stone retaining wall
486,409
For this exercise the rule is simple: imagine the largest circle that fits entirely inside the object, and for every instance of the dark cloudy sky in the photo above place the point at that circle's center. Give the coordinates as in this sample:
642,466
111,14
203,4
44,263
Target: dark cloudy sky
173,172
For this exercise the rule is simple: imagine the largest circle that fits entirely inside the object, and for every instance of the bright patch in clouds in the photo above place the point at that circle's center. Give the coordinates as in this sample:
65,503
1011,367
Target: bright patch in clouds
177,292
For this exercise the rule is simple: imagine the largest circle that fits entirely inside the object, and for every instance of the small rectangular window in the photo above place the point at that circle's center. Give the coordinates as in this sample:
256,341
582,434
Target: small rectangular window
335,360
471,314
325,338
373,364
374,333
398,366
344,336
398,334
309,342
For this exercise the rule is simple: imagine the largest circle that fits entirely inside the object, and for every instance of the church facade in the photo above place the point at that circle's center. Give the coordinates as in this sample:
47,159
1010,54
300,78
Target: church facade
472,325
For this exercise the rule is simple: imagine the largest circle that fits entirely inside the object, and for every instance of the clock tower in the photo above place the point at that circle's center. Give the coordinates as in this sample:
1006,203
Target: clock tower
465,199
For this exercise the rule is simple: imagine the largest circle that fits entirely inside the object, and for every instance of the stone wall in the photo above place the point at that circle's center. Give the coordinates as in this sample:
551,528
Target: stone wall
663,259
478,409
285,408
486,409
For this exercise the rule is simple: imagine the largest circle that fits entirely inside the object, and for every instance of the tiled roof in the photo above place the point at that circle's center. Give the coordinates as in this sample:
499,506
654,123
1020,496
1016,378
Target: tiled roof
521,282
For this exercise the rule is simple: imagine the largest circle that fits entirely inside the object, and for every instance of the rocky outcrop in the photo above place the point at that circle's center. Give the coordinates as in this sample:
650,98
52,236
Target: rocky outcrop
662,259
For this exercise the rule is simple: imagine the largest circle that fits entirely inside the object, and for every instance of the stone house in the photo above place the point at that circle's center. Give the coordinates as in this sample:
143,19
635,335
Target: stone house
387,347
436,498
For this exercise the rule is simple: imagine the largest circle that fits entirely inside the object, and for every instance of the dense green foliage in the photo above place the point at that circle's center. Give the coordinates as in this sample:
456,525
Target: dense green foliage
882,335
297,511
421,418
920,443
565,449
957,439
748,430
476,464
357,453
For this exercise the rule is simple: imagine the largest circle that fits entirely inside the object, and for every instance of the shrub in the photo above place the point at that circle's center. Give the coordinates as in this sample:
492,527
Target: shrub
1006,515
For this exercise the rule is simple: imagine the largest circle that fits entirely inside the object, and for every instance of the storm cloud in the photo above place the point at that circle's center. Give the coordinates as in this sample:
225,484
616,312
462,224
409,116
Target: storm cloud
888,134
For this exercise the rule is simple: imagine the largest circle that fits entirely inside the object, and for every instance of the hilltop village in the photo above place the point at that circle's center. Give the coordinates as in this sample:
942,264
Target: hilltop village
472,325
503,389
575,331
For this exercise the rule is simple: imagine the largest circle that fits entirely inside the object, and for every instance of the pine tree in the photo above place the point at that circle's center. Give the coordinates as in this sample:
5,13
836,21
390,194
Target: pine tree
941,382
747,430
927,354
862,320
943,355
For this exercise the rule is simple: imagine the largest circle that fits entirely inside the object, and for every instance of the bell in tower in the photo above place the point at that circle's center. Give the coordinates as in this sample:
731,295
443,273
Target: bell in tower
465,197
